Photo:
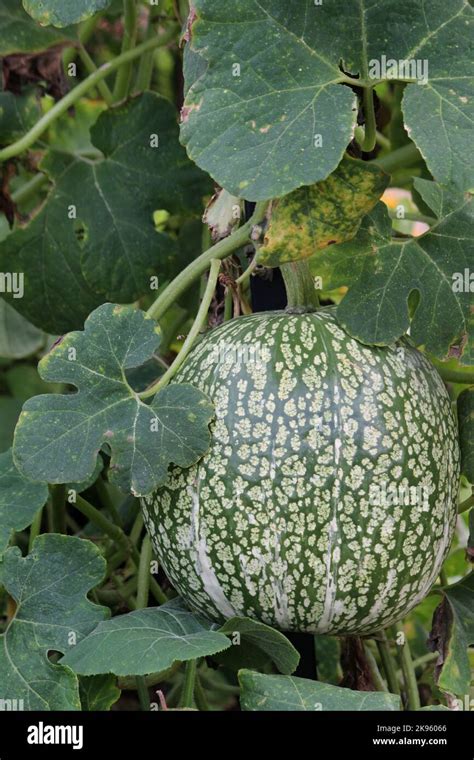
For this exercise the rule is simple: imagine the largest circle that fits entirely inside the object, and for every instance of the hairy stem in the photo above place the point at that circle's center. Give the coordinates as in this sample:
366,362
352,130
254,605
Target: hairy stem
196,268
73,95
192,335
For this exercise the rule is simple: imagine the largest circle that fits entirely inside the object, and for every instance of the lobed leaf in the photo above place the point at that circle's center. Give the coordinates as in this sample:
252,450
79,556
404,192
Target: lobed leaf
49,587
270,113
58,437
382,272
95,239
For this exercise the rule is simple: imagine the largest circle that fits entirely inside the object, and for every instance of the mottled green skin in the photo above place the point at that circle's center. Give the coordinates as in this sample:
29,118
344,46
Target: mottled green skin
275,521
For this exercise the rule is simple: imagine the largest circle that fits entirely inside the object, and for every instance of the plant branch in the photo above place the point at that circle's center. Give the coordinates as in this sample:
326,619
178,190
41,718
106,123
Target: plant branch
388,663
91,68
187,696
196,268
192,335
377,679
73,95
453,375
466,504
405,156
129,40
370,134
58,499
409,676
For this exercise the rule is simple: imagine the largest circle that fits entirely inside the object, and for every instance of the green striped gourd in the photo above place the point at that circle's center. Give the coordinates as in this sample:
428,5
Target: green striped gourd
297,516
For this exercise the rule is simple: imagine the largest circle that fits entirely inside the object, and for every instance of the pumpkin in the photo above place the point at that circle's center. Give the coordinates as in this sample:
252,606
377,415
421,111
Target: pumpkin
327,500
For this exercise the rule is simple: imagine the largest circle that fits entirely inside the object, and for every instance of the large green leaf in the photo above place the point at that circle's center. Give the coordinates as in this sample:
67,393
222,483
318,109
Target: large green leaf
18,337
20,499
382,272
465,404
256,130
311,218
145,641
250,638
49,587
63,12
264,693
95,239
58,437
452,634
20,34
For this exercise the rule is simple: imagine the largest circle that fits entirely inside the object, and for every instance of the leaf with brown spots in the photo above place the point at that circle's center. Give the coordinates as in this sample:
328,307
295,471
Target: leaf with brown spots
451,635
311,218
58,437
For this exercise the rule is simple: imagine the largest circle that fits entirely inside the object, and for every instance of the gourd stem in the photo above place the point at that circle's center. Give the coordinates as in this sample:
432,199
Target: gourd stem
192,335
189,681
370,134
196,268
388,663
299,284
